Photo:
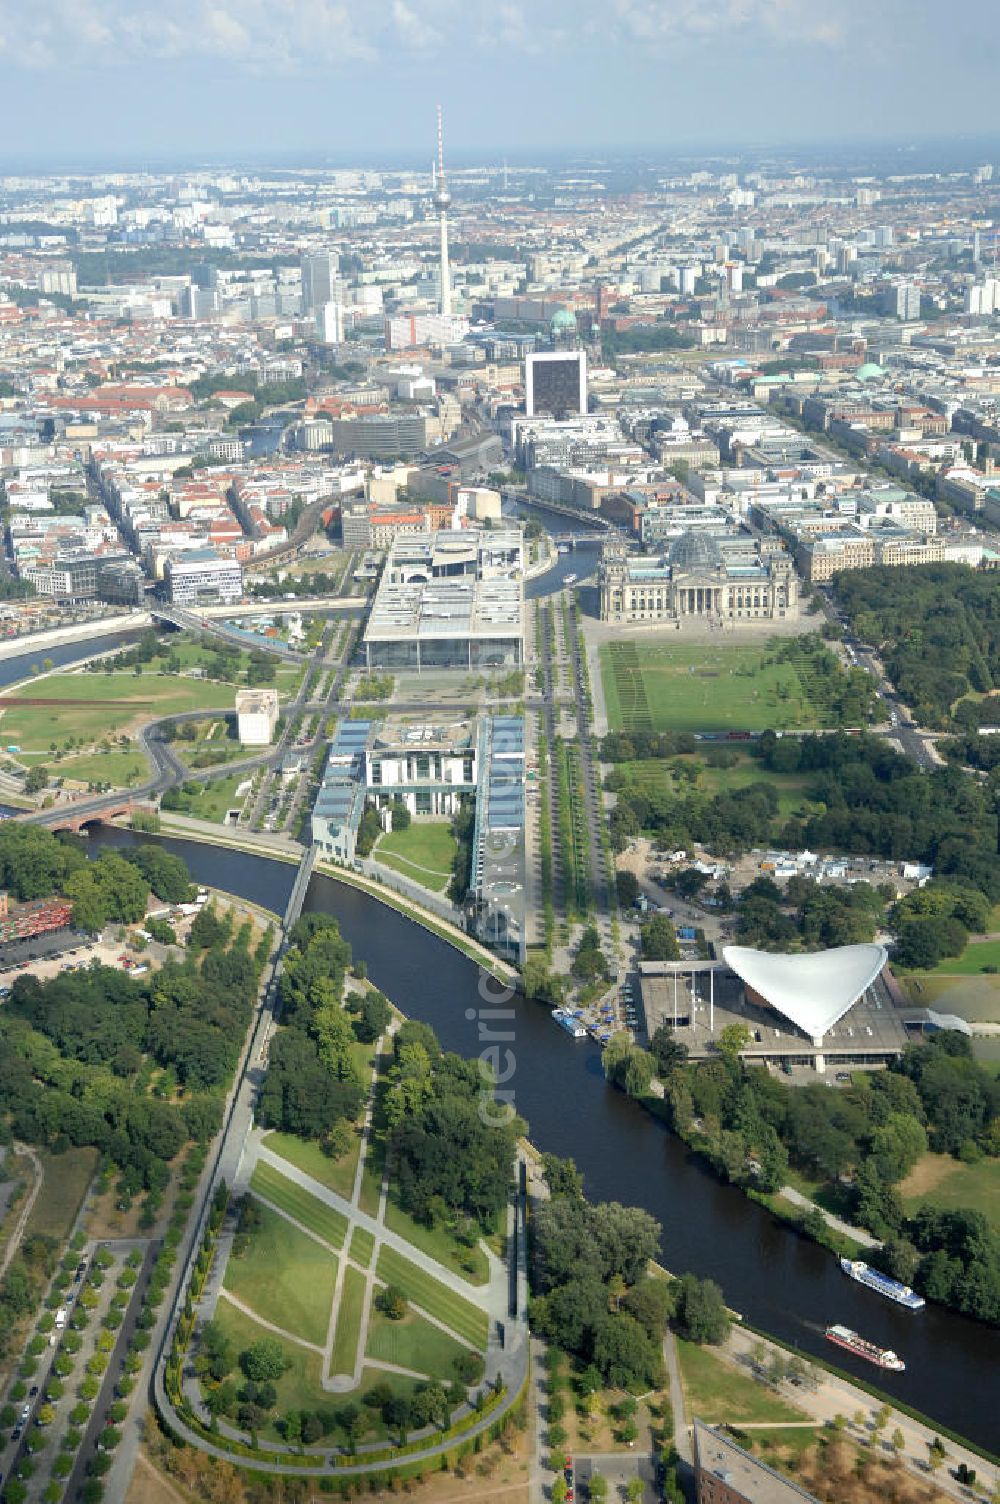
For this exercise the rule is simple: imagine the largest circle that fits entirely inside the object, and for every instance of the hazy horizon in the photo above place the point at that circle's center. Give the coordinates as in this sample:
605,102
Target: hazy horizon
244,80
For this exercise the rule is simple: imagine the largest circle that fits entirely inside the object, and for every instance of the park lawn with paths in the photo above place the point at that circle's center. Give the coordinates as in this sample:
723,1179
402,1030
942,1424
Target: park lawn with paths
325,1221
940,1181
306,1155
667,686
415,1344
362,1246
93,706
344,1352
720,1394
444,1304
423,852
438,1242
64,1185
286,1277
300,1386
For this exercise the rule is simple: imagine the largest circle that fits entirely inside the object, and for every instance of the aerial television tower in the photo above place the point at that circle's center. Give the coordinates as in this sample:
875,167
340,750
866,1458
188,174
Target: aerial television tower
442,203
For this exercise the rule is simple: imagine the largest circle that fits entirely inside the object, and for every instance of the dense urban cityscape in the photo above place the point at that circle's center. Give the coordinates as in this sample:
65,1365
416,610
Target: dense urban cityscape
500,845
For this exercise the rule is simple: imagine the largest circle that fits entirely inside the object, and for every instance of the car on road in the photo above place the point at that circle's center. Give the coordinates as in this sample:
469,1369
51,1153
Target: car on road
25,1412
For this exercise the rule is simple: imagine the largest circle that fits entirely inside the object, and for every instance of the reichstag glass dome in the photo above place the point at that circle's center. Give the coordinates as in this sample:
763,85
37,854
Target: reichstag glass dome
694,553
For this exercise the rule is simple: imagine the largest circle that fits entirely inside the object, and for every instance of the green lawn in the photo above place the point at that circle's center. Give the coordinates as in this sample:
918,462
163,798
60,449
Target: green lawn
306,1155
93,706
974,959
716,1392
119,768
325,1221
362,1246
286,1277
438,1242
659,686
423,852
468,1320
413,1343
345,1340
940,1181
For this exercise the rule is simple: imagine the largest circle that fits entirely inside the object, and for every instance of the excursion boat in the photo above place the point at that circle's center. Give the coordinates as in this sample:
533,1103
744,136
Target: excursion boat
882,1284
568,1021
882,1357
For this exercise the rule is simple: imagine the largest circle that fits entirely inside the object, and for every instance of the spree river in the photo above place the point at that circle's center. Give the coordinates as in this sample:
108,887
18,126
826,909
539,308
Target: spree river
780,1282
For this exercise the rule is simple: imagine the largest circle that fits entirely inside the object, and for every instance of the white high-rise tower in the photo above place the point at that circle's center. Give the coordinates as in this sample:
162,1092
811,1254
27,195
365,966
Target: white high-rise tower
442,203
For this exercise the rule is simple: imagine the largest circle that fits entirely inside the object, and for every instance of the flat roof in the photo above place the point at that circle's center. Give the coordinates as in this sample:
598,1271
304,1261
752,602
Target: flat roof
718,1455
443,608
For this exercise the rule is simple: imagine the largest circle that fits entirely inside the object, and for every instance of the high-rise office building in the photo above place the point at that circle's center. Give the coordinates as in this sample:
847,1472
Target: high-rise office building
907,301
319,279
555,384
330,323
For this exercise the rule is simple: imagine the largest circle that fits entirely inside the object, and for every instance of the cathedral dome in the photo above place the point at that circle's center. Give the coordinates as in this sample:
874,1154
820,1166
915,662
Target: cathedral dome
694,553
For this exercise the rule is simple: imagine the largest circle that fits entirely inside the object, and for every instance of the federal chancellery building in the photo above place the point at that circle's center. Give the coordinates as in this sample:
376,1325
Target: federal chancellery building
700,577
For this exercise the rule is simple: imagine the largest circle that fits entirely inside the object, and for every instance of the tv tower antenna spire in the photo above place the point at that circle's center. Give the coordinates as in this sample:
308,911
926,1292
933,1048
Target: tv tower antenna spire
442,203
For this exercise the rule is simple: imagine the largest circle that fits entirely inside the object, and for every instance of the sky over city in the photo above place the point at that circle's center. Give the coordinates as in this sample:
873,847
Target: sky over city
121,78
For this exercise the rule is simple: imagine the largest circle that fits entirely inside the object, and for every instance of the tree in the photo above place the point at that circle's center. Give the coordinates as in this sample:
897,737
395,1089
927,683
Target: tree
392,1303
373,1018
36,779
700,1313
733,1040
659,940
667,1051
265,1359
400,815
898,1442
627,885
562,1177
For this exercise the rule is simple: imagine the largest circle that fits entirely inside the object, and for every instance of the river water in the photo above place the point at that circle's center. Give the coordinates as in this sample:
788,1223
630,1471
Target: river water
780,1282
13,669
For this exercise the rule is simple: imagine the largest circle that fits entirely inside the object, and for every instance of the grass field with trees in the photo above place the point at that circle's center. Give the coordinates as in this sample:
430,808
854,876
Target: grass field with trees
653,684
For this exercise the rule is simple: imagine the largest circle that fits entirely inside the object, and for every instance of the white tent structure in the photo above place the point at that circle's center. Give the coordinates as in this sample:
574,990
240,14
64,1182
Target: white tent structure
812,991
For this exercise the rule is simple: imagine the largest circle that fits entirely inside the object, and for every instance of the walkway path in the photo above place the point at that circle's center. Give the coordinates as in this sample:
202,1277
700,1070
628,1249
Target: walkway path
857,1233
678,1407
14,1241
279,1331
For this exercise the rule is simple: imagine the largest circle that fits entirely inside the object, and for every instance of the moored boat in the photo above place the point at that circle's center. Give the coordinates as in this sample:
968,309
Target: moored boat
882,1284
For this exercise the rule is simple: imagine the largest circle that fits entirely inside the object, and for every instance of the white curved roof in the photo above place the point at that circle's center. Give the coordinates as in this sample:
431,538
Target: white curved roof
813,990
